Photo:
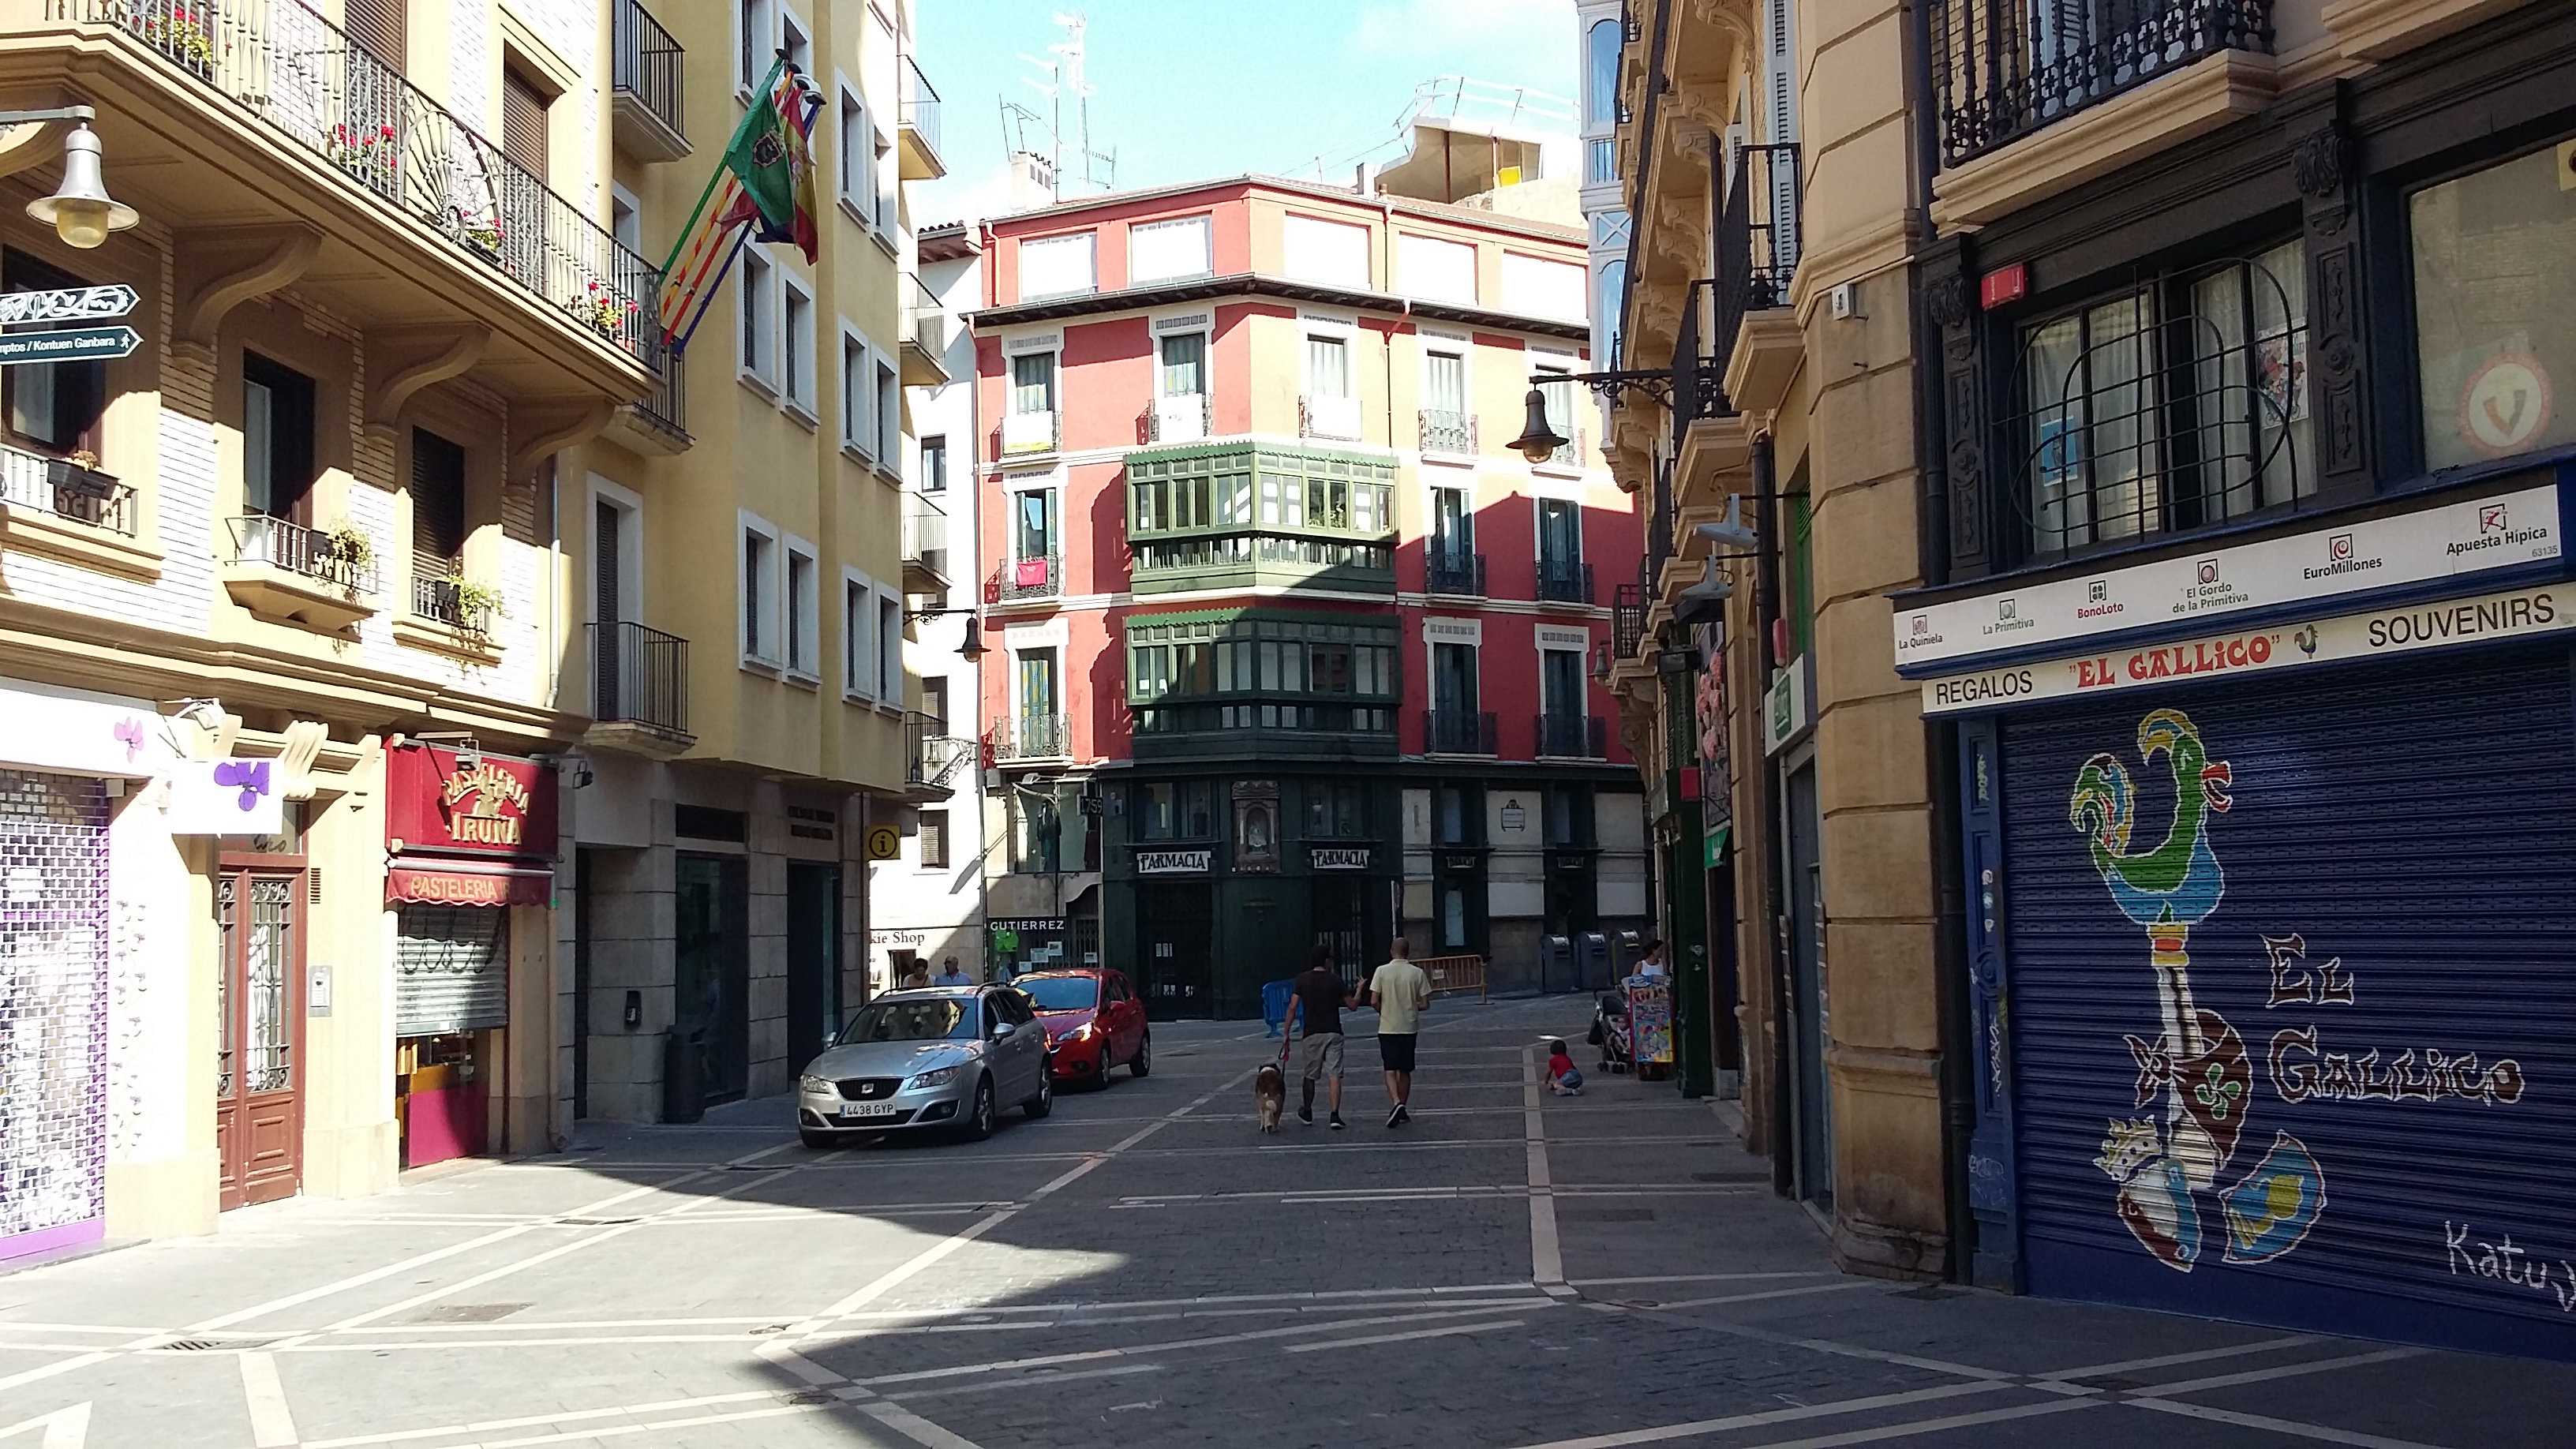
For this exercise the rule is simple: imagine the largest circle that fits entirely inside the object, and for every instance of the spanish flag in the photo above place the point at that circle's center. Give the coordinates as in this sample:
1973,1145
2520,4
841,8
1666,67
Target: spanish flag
762,189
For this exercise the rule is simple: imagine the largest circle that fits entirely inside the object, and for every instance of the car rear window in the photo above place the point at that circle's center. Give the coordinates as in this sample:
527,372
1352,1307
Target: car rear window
1060,993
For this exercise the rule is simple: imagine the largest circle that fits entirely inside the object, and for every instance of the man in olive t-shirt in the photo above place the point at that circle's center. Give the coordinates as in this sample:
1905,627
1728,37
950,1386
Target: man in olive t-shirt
1399,990
1318,998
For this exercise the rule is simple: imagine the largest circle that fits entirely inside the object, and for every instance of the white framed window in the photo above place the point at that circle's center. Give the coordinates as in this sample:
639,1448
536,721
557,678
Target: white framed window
1160,251
625,218
756,330
759,589
801,613
858,396
1543,286
751,45
887,173
1033,383
1448,420
795,40
889,415
858,636
1332,252
889,648
1435,268
796,345
1058,266
855,150
1328,365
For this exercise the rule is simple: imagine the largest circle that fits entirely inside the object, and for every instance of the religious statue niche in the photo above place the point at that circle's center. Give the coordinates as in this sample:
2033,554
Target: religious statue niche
1256,825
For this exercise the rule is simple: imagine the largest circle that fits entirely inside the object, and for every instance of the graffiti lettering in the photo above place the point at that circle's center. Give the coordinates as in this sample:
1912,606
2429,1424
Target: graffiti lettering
2505,1263
2300,1072
2294,981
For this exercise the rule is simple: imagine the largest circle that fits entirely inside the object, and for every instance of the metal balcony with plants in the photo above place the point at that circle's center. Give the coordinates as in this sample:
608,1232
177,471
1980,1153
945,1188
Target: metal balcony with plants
1572,737
1459,732
932,758
2002,69
639,676
455,602
66,488
1454,572
1031,737
645,69
340,560
327,95
1040,576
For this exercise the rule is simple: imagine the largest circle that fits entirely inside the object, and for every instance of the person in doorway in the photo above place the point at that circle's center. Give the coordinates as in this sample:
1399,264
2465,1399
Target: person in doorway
1316,1000
949,975
1653,964
1399,990
916,976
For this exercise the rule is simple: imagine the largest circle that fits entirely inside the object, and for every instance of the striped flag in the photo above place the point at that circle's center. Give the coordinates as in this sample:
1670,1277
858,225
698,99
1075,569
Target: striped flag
763,188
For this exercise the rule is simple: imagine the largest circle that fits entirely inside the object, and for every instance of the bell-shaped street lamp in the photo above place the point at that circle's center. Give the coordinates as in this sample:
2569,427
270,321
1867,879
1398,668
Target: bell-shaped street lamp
1537,440
80,210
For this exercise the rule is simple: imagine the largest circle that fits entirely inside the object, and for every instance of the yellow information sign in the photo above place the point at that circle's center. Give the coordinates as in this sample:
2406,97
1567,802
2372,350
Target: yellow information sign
885,843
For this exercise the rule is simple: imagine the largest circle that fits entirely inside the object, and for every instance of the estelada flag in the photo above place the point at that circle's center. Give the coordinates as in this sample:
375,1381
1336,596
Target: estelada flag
763,187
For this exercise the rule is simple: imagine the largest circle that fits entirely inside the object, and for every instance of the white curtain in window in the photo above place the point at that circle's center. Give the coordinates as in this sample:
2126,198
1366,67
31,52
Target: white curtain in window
1328,367
1538,287
1056,266
1439,271
1325,251
1160,250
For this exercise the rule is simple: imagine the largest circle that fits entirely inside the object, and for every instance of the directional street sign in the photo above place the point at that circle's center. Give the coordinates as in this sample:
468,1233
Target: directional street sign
87,344
74,304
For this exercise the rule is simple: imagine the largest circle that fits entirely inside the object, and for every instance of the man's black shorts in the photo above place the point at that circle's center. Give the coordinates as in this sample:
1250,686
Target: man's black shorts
1395,1053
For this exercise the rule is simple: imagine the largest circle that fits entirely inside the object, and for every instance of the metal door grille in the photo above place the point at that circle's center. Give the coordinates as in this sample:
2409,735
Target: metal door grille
451,969
53,997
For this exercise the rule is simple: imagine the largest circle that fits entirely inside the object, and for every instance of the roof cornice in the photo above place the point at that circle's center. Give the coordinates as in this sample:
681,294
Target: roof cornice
1258,284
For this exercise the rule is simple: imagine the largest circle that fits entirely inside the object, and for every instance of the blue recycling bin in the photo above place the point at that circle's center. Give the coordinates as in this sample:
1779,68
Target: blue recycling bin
1274,1003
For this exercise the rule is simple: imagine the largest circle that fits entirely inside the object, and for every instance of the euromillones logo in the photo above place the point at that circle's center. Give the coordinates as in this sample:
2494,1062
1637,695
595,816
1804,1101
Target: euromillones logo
2339,548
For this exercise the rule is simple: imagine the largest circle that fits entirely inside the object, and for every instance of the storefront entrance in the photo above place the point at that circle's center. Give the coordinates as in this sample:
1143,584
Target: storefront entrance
1344,924
259,1016
711,959
813,959
53,937
1811,1096
1174,966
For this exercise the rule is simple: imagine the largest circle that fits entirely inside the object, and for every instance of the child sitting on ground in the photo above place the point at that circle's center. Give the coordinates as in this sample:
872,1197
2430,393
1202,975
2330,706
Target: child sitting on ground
1562,1078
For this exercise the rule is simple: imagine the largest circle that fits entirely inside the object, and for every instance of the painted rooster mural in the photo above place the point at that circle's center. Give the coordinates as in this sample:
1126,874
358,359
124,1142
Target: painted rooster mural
2197,1064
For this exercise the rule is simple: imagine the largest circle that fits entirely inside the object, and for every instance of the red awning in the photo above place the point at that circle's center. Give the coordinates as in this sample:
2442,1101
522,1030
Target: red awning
467,883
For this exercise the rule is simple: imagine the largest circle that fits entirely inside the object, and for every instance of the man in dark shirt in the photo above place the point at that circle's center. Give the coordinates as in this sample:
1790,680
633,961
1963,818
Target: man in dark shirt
1318,999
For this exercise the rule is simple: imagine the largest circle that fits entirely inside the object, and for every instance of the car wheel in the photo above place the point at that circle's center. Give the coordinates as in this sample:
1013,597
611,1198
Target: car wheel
1044,1102
1144,1063
979,1122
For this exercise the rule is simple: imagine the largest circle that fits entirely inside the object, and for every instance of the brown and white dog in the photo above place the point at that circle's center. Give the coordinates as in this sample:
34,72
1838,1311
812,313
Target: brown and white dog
1270,1095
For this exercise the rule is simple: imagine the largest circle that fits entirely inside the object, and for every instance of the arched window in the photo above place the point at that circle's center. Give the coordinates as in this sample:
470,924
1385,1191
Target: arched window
1601,74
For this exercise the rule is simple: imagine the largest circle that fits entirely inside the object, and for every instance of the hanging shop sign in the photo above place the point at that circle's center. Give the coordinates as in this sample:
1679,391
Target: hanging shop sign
82,344
224,797
1338,858
492,806
1791,705
466,883
2453,541
1173,862
2512,614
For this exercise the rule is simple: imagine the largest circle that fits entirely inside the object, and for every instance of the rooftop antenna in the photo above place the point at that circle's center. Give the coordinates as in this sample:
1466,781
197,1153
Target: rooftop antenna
1063,80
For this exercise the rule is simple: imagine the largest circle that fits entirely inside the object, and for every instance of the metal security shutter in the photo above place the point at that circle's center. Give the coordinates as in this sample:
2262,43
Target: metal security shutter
53,1007
2385,925
451,969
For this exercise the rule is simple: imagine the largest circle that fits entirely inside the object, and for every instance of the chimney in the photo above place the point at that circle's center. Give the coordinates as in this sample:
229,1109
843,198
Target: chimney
1366,182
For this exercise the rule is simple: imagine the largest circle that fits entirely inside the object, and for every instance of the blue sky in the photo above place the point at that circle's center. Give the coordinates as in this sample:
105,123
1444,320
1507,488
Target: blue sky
1186,89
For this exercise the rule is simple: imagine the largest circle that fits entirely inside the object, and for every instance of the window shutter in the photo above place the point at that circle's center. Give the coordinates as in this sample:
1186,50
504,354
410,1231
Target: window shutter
380,26
523,124
437,504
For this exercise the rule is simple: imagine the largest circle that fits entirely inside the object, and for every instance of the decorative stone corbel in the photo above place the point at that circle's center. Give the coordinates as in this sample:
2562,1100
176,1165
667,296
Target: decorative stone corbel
544,427
295,759
403,360
219,268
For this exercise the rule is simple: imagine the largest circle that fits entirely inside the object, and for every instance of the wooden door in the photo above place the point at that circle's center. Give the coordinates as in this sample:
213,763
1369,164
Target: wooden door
259,1010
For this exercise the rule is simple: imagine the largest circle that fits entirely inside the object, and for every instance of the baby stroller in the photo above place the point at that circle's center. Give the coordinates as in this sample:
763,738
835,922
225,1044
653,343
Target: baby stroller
1610,1031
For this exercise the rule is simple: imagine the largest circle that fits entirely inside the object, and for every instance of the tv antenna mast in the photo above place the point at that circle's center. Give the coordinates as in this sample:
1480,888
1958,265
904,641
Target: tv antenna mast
1046,137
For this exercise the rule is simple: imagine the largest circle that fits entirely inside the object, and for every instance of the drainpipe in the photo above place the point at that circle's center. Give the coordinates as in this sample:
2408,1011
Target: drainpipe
1941,737
1775,908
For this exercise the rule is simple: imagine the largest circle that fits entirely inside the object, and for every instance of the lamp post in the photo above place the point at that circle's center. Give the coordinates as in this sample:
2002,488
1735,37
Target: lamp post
80,210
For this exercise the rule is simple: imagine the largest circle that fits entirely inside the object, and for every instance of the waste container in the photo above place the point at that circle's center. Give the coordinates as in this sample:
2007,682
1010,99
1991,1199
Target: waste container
1555,965
684,1076
1595,961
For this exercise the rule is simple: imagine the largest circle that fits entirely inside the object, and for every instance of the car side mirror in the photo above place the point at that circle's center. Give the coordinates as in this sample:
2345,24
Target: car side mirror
1001,1029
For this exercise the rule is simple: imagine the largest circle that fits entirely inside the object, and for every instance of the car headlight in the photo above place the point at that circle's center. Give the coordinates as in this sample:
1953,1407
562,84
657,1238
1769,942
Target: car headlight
1080,1033
939,1077
817,1086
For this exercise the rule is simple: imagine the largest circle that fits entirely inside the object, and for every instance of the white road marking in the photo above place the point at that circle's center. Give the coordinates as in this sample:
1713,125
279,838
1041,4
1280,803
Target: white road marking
1699,1427
29,1376
272,1426
1929,1426
1845,1287
1033,1381
1100,1355
914,1427
2278,1426
1692,1278
1406,1337
1547,1259
64,1428
2169,1360
2284,1371
529,1421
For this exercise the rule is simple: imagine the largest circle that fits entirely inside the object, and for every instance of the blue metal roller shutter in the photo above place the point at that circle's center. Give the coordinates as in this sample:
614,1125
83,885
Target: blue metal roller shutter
2395,872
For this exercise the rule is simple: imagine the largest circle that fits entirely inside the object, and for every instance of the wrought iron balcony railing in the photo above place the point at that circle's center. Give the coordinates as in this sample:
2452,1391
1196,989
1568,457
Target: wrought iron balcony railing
931,757
1564,581
283,62
261,539
925,533
1627,620
645,64
1180,418
666,406
64,489
1328,417
639,676
1756,241
443,599
1032,737
1445,430
1454,572
2005,68
1037,577
1571,737
1458,732
917,103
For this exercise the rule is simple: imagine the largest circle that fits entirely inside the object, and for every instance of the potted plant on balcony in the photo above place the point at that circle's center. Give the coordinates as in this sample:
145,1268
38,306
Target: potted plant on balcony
180,34
79,477
607,314
482,233
477,605
366,153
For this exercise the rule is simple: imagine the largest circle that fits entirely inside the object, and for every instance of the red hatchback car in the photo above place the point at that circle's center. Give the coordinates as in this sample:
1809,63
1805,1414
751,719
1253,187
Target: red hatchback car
1093,1023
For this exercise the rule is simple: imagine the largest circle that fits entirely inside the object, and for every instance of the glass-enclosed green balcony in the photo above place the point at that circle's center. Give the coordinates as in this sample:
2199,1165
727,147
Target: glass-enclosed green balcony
1262,682
1242,514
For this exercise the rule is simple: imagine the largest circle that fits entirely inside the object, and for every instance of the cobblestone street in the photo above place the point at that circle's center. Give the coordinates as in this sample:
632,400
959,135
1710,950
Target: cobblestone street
1142,1269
